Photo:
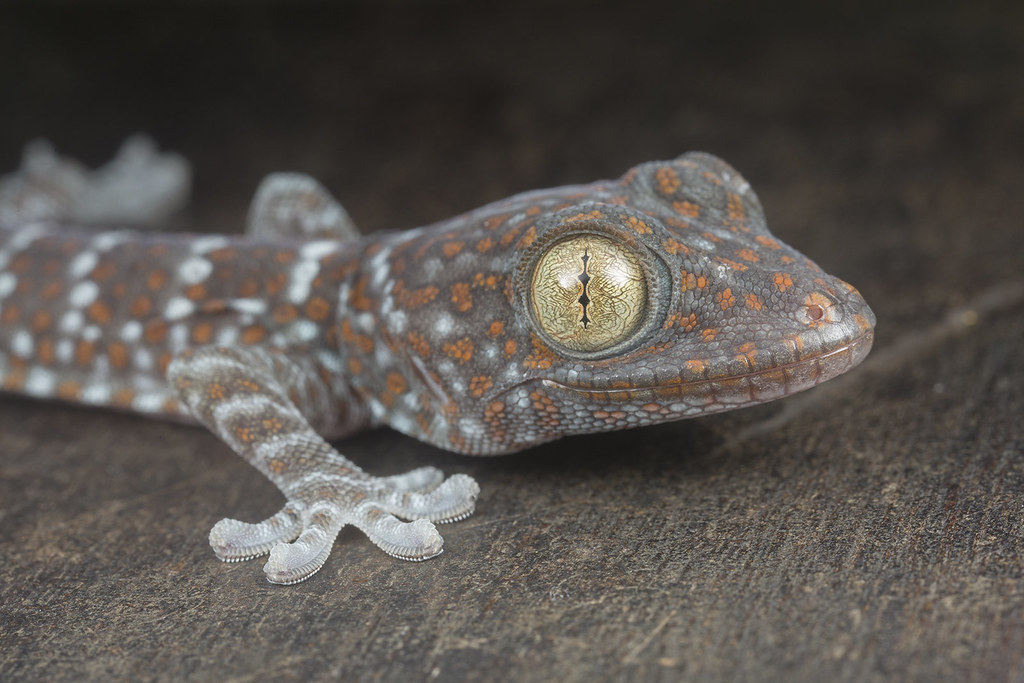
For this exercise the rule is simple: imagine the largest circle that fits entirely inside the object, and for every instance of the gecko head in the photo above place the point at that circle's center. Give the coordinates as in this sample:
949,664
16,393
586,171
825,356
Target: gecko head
673,300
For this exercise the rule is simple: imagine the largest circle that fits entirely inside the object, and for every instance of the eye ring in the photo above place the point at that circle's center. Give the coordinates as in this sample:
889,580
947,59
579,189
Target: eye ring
592,290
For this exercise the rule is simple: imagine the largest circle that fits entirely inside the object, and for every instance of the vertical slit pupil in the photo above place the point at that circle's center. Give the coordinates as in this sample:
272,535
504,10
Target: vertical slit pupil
584,300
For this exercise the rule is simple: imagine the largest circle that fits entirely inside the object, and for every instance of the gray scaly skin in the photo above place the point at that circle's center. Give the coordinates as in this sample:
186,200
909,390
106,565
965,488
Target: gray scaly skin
655,297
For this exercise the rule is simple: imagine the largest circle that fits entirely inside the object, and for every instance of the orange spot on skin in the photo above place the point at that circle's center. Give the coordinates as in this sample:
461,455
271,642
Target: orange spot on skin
162,362
155,331
10,314
541,358
284,257
216,391
222,255
528,238
44,351
735,265
274,284
484,245
709,334
461,350
411,299
195,292
41,321
352,338
695,366
783,281
123,397
253,334
725,299
118,355
284,313
753,302
734,207
244,434
103,271
461,297
85,351
99,312
748,255
318,309
202,333
156,280
479,385
496,328
69,390
689,281
450,249
248,287
395,383
418,343
674,246
357,298
141,306
355,366
638,226
767,242
52,290
688,209
510,347
667,179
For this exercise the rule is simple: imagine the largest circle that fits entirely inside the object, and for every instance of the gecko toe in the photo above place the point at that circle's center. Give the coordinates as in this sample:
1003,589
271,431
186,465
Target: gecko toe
234,541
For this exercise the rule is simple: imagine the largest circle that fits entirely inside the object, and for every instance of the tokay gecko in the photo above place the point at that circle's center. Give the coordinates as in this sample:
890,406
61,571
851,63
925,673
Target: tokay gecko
654,297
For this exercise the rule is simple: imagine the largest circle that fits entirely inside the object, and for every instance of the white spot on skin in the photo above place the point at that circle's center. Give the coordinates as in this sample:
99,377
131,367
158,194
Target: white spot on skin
72,322
397,320
302,277
65,350
40,382
250,306
202,245
432,267
317,250
143,359
82,264
443,325
96,392
132,331
7,284
303,331
379,266
91,333
228,335
108,240
22,344
178,308
83,294
148,403
195,269
178,336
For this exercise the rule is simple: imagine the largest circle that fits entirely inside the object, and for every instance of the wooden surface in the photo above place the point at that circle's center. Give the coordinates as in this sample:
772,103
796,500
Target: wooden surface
868,530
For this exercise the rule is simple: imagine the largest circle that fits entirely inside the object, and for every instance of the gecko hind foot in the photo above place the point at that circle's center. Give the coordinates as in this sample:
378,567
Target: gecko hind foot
299,538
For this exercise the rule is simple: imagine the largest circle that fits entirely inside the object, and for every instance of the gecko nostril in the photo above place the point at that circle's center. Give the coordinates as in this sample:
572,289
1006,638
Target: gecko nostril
815,313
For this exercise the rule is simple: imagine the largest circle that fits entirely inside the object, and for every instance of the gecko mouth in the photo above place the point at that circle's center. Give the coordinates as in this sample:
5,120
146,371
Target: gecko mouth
735,389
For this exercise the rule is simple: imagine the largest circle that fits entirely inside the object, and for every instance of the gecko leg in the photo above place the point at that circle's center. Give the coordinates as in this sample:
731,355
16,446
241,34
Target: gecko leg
296,205
264,404
140,186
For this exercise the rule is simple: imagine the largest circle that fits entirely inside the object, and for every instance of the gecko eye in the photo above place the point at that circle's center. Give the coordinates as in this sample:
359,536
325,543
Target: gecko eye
588,293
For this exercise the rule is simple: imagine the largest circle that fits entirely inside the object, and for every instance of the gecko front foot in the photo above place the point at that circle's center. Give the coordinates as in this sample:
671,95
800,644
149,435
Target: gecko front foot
299,537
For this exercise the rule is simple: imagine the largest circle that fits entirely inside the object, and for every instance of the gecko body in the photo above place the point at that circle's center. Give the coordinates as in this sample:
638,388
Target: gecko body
654,297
